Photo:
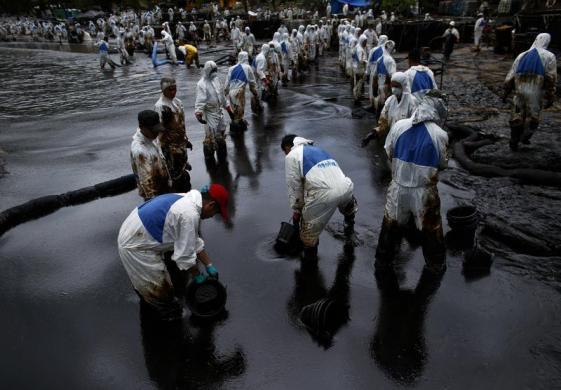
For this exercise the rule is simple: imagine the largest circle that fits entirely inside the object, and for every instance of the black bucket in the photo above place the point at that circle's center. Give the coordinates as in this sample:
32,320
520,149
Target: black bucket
288,240
463,218
287,234
206,299
324,318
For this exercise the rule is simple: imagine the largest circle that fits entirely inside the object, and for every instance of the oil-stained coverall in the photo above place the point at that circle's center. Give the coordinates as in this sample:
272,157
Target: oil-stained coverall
400,105
316,188
375,54
165,223
421,80
173,141
533,77
239,77
149,167
417,148
359,67
382,72
209,102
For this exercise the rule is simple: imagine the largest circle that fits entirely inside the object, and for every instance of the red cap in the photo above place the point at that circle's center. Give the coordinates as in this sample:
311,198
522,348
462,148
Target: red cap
220,195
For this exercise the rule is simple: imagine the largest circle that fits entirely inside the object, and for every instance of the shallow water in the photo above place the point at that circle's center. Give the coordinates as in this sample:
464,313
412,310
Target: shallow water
72,320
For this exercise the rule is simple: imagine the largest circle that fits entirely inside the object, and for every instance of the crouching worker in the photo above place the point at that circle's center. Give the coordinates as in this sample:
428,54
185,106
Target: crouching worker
191,54
169,222
316,188
417,148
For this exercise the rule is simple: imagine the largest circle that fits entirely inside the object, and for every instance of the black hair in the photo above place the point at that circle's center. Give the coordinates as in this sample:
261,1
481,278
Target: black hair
207,198
415,54
288,141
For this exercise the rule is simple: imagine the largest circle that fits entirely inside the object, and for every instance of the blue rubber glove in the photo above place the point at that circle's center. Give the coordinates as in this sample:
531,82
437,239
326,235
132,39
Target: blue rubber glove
212,271
200,278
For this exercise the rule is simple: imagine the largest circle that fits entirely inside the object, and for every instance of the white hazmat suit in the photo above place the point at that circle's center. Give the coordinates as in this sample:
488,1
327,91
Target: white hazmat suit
165,223
209,102
239,77
417,148
533,77
397,107
316,188
421,80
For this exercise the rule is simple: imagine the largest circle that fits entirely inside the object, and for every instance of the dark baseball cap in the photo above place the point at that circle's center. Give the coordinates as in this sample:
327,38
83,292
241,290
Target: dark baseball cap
151,119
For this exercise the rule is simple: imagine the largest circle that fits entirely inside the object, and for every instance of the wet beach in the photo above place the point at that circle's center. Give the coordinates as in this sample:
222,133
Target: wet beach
72,320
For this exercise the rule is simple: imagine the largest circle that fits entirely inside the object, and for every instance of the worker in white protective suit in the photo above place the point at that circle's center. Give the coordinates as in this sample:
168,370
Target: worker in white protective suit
342,35
122,48
173,140
478,31
294,54
310,45
533,78
382,76
104,54
248,43
239,77
302,56
261,73
360,60
167,40
209,102
371,38
207,34
400,105
352,41
375,54
417,148
169,222
236,37
286,55
147,161
273,68
421,78
316,188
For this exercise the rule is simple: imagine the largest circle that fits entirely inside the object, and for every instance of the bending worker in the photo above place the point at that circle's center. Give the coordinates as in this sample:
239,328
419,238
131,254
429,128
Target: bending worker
316,188
417,148
173,140
191,54
169,222
239,76
533,77
147,160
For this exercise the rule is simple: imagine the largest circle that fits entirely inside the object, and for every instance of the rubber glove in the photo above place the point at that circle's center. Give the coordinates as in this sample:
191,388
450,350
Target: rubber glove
199,117
200,278
296,217
370,136
212,271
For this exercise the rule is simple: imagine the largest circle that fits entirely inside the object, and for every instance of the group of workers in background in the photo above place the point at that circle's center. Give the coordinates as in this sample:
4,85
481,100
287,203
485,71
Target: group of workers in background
410,111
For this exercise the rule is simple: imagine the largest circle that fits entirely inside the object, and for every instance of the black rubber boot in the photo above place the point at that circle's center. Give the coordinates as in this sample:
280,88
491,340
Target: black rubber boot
208,151
388,244
515,134
221,150
310,254
526,135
